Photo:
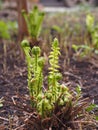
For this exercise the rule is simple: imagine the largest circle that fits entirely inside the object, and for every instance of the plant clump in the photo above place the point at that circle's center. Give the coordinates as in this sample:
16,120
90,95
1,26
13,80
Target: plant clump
90,46
57,106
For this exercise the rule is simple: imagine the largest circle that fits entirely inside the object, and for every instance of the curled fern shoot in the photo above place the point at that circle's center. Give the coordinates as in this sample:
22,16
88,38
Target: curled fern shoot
38,63
26,48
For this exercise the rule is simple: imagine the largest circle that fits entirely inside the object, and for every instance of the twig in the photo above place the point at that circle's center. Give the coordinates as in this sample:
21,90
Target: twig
82,122
2,118
59,120
13,100
70,74
18,128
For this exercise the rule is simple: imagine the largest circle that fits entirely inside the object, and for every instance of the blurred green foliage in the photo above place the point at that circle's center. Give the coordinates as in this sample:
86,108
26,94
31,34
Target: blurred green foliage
1,4
4,33
7,29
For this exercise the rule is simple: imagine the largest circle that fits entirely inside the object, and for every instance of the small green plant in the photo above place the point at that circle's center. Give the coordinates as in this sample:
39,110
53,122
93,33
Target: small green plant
82,51
90,46
56,99
93,30
44,100
34,22
35,67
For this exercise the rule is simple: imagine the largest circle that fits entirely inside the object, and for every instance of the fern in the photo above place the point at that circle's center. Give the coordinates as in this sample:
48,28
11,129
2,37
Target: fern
26,48
54,74
57,99
34,22
44,101
35,67
38,63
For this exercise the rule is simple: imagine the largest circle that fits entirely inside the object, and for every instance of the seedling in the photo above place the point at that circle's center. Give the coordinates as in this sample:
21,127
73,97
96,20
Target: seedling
82,51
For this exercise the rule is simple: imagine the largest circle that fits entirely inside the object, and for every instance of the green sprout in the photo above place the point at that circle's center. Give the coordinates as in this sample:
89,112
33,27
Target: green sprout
54,74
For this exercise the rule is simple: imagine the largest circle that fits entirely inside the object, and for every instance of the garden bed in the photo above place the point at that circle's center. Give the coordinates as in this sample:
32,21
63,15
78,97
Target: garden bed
16,112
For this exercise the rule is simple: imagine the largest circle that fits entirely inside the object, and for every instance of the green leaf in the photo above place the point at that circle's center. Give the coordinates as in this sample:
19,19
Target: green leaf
78,90
91,107
75,47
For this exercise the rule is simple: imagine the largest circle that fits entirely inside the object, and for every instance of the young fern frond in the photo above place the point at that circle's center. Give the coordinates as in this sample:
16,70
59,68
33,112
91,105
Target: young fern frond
35,68
34,22
54,74
38,63
39,23
26,48
53,57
